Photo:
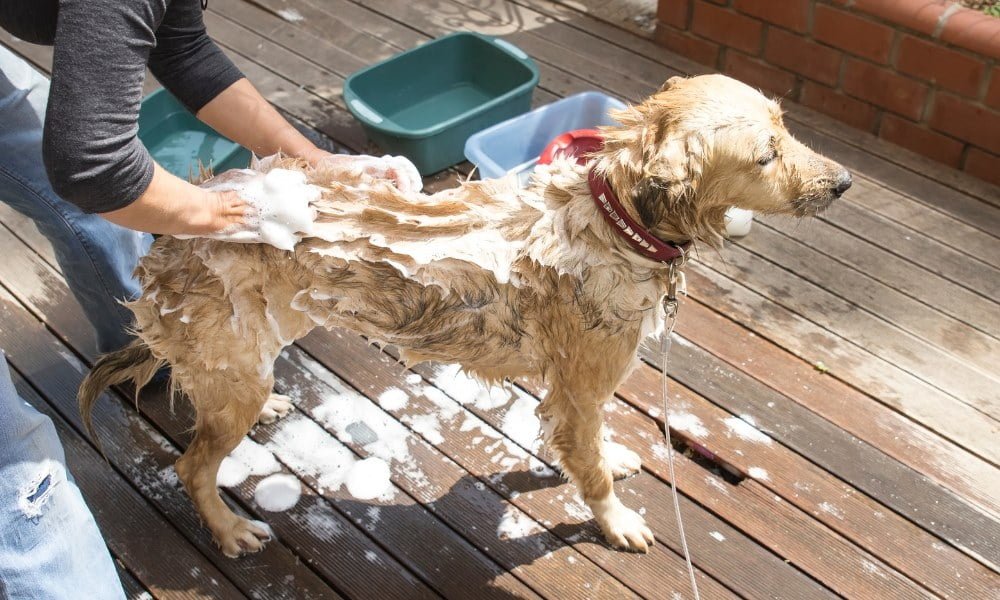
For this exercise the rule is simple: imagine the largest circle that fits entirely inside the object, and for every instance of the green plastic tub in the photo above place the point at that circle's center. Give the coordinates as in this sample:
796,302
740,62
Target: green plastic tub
426,102
179,141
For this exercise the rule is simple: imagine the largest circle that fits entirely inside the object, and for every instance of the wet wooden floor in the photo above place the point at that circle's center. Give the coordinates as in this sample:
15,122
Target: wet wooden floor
844,371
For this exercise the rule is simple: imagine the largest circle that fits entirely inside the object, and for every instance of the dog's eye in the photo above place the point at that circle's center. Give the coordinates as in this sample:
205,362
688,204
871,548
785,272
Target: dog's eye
767,158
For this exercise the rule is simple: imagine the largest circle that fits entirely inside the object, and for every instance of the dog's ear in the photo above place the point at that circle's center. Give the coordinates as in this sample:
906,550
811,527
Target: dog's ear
669,83
669,182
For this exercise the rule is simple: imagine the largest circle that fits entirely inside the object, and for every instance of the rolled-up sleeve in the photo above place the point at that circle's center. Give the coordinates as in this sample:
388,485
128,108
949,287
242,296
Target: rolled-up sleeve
186,61
91,148
92,154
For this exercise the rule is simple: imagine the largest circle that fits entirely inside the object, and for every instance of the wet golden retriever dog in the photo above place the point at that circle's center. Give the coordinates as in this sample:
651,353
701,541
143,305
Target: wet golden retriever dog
509,283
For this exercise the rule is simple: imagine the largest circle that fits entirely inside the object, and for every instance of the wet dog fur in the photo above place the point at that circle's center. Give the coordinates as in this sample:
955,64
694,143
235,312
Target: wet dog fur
509,283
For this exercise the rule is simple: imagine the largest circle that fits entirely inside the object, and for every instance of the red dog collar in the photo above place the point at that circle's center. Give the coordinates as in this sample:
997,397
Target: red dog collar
580,144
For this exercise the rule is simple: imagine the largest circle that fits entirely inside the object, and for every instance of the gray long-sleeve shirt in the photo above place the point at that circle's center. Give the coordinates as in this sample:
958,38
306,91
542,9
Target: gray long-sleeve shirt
101,49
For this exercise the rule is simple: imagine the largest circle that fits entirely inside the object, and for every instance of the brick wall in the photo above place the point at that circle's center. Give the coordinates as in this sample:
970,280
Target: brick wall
923,74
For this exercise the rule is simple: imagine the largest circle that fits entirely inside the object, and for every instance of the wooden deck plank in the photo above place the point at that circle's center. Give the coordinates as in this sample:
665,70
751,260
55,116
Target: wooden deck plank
949,336
131,527
864,466
897,272
518,482
741,565
894,387
883,428
134,590
954,379
839,505
544,562
973,272
408,530
773,523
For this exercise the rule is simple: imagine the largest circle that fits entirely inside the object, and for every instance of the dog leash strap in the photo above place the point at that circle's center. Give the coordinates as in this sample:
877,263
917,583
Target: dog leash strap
670,306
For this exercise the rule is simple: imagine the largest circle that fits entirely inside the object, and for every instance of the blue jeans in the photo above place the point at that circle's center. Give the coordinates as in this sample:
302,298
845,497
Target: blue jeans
50,546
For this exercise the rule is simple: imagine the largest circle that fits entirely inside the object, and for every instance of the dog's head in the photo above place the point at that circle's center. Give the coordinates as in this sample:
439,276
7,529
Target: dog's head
703,144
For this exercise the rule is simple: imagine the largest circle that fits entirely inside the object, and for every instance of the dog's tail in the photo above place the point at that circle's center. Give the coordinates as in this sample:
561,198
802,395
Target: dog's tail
134,362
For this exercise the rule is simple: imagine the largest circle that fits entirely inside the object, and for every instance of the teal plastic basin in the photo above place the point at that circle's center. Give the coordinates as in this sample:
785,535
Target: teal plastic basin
426,102
178,141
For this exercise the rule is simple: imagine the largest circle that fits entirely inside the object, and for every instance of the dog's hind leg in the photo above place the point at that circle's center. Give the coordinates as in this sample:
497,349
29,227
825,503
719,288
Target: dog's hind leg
575,434
226,410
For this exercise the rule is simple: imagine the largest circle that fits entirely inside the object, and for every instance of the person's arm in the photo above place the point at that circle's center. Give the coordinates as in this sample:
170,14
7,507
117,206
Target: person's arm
91,150
173,206
241,114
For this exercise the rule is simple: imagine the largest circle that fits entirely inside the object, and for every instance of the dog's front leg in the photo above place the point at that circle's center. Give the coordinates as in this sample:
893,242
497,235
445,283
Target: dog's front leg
575,433
226,410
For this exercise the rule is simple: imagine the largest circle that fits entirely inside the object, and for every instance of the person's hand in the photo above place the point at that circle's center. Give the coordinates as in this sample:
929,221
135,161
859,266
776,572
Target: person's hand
397,169
220,211
249,207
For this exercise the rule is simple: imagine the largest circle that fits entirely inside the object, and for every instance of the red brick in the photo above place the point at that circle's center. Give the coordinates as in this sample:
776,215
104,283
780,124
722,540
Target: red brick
837,105
921,140
803,56
791,14
993,93
973,30
758,73
949,69
694,48
855,34
966,121
921,15
885,88
674,12
727,27
983,165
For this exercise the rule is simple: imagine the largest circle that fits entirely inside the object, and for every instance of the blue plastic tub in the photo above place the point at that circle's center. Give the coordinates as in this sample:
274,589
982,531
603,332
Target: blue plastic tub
179,141
426,102
514,145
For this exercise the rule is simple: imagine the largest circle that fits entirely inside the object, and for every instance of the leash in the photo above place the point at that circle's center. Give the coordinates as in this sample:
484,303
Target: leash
670,306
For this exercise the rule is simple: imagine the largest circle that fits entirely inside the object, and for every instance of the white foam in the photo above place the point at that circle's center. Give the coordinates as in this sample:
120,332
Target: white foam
249,458
515,525
282,207
520,422
758,473
393,399
291,15
717,536
744,427
689,423
369,478
469,390
277,493
427,426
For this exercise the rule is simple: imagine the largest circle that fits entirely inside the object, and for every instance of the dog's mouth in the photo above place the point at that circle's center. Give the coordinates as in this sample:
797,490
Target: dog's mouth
812,204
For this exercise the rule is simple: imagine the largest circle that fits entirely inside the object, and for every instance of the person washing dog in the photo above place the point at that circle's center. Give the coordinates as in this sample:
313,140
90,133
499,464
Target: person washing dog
71,161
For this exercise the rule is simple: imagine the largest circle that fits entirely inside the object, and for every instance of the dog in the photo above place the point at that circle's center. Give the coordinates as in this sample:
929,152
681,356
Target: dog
510,283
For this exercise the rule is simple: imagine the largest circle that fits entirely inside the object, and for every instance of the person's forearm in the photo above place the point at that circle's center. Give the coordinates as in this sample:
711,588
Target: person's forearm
171,205
241,114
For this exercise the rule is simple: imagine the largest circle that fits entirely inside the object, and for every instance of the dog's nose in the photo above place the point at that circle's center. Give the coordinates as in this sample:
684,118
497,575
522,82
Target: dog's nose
844,182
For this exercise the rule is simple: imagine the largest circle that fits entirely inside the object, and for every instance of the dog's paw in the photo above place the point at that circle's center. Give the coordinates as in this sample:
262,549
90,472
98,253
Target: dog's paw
623,527
623,462
243,537
275,407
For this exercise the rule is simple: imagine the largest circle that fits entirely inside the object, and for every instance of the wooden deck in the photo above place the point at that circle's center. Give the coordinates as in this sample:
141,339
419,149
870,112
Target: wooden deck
876,479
